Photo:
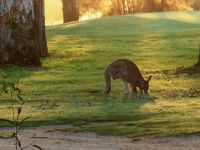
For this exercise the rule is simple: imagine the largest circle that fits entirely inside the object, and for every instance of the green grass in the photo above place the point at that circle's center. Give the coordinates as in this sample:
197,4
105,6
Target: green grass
79,53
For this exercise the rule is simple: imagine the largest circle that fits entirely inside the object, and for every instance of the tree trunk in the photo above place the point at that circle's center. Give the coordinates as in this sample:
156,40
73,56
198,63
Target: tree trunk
41,35
196,5
22,34
70,10
148,6
198,62
164,6
199,59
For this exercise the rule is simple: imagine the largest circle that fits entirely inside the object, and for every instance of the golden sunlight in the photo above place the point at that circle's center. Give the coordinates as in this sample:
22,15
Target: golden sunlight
54,16
53,12
88,16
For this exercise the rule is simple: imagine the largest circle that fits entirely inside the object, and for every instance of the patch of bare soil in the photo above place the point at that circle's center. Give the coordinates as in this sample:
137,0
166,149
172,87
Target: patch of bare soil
58,140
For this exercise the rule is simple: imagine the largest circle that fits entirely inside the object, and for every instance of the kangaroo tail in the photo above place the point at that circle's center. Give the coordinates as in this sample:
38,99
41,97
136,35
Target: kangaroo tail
107,78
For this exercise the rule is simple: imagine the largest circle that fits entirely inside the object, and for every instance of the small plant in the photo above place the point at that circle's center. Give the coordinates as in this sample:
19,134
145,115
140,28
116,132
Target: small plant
17,103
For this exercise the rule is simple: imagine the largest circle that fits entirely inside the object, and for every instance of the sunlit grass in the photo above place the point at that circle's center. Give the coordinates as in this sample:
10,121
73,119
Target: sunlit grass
79,53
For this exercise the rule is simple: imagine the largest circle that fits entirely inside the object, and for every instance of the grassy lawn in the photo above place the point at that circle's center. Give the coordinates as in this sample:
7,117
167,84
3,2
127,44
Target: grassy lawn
158,43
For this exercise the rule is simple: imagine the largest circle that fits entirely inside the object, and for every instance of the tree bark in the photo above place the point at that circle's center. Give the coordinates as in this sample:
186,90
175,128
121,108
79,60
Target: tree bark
199,59
40,24
198,62
70,10
22,34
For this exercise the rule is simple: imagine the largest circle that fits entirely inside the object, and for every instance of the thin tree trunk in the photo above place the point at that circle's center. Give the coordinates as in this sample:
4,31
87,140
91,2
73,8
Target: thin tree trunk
199,58
70,10
198,62
119,7
164,5
123,6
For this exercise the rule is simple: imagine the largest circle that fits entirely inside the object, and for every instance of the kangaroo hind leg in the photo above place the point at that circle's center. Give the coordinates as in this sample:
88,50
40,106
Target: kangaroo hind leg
107,81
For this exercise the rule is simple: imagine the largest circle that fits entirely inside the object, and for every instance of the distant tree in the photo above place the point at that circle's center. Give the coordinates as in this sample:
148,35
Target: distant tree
148,6
116,8
175,5
122,7
196,5
70,10
89,6
22,32
164,5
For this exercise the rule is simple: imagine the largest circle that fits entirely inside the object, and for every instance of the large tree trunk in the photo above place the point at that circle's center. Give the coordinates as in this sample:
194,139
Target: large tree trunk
70,10
22,34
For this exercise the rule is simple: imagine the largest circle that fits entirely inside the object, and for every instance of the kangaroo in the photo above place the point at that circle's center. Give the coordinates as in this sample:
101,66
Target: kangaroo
128,72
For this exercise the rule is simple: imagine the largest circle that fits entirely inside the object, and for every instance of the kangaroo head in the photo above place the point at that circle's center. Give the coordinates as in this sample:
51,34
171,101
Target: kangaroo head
145,85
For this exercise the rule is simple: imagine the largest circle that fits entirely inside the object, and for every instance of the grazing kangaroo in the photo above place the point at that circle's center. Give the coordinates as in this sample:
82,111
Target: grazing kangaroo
128,72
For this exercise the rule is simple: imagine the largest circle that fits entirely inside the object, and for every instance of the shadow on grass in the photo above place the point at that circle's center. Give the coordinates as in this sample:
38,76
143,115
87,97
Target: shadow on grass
189,70
178,71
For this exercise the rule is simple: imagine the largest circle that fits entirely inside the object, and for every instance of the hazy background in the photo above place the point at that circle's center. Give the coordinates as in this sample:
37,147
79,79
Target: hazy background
53,12
90,9
54,15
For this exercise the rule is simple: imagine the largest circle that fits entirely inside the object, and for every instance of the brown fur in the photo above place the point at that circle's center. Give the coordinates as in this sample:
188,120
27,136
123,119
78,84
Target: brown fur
128,72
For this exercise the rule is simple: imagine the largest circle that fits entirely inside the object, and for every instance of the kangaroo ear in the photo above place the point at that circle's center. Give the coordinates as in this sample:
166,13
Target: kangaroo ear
149,78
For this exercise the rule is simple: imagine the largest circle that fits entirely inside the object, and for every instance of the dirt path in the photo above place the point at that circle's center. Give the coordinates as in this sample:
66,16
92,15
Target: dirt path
90,141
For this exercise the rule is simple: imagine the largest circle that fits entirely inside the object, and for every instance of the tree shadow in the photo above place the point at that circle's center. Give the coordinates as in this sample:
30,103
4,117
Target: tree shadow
188,70
128,99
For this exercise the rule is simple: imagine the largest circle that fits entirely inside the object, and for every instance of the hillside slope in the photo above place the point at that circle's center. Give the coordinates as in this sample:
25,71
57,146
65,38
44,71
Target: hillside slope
73,76
168,22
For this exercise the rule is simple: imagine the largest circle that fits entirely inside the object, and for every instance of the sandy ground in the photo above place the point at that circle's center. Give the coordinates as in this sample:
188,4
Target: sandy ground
90,141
